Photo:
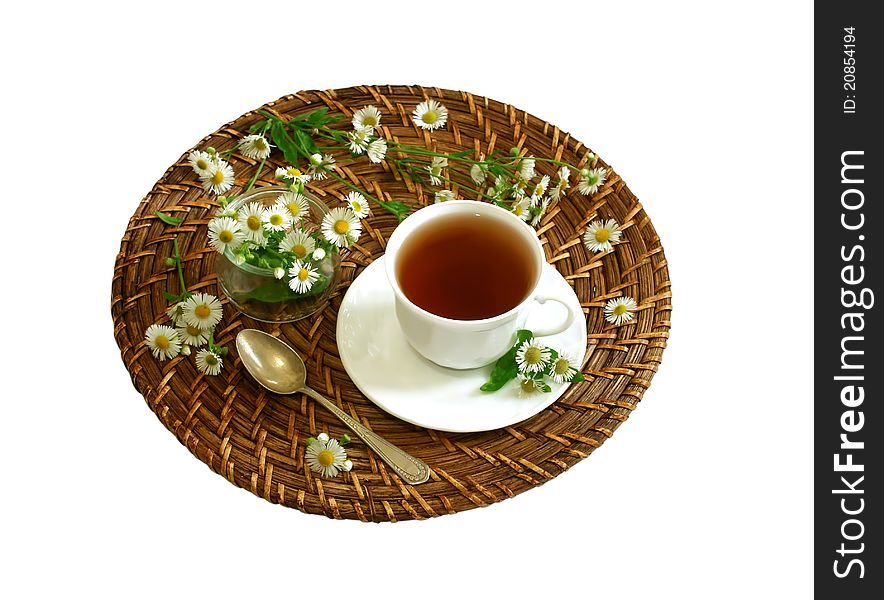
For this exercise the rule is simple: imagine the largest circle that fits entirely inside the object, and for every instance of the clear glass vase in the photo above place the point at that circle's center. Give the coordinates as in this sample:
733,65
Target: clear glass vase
256,292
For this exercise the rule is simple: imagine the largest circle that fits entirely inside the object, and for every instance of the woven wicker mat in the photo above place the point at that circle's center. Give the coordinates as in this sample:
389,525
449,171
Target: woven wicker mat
256,440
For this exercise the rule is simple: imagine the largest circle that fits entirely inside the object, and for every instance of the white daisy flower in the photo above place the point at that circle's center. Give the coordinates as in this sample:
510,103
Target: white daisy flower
318,255
185,350
323,437
529,385
163,341
278,273
292,174
522,208
367,118
201,162
219,178
358,140
377,150
296,204
561,185
347,465
225,233
250,219
477,174
303,276
277,217
526,168
298,243
192,336
444,196
563,368
591,180
208,362
325,457
601,235
358,204
539,190
203,311
255,146
341,227
532,356
620,310
430,115
320,165
543,206
435,169
175,311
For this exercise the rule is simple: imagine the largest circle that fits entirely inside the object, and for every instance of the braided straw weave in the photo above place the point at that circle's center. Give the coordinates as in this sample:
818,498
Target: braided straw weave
257,440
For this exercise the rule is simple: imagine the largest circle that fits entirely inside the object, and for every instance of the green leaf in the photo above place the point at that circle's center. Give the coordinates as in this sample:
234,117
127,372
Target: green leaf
578,376
171,297
400,209
260,126
284,142
506,368
279,291
306,143
462,154
168,220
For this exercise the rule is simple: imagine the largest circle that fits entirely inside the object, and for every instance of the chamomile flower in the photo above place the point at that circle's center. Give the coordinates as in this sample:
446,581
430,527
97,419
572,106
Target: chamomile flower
277,217
358,140
175,313
203,311
377,150
537,217
320,165
561,185
341,227
192,336
292,174
358,204
303,276
477,174
208,362
298,243
250,219
601,235
224,233
255,146
526,168
326,457
163,341
539,190
591,180
430,115
219,178
201,162
620,310
318,255
435,169
278,272
522,208
296,204
367,118
444,196
532,356
529,385
563,368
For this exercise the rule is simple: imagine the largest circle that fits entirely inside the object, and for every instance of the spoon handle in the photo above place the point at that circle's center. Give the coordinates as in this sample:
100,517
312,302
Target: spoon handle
410,469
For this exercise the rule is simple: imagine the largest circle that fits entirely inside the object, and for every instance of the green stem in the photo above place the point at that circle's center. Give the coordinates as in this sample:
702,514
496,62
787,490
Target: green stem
176,254
255,176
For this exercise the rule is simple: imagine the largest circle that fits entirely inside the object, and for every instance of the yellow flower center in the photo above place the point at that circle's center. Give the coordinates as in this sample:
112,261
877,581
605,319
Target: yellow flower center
299,250
430,117
532,355
528,386
326,458
294,172
191,330
620,309
253,222
602,235
370,120
357,207
275,220
561,367
303,274
211,360
225,236
519,209
218,177
202,311
341,227
202,163
293,208
260,143
161,342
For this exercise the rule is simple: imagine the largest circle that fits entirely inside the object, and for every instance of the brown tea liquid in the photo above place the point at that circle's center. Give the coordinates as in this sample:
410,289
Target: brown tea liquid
466,267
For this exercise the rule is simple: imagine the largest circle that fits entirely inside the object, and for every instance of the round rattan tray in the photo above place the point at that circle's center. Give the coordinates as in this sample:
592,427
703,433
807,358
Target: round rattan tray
256,440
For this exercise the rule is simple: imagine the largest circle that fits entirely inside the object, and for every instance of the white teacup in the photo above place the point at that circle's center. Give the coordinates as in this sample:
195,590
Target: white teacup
462,344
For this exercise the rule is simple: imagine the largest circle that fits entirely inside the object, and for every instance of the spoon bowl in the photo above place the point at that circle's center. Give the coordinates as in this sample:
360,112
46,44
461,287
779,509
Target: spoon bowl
276,366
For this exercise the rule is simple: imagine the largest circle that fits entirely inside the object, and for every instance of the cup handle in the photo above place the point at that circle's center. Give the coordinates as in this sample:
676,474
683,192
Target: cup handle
566,322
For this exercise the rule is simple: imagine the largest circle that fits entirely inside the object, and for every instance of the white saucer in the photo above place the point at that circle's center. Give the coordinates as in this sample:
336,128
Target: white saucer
400,381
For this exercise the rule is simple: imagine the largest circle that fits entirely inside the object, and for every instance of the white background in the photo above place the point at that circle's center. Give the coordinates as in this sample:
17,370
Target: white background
705,110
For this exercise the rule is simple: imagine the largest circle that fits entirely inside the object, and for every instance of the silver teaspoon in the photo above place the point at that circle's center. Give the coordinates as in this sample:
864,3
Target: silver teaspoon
276,366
